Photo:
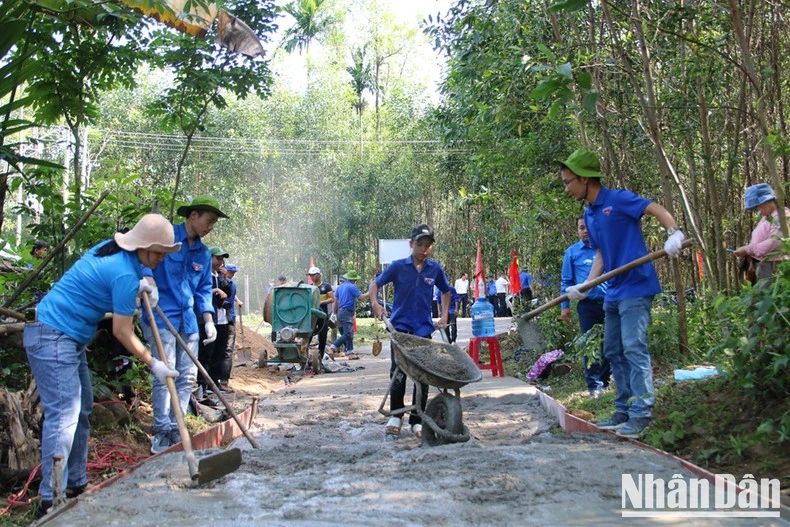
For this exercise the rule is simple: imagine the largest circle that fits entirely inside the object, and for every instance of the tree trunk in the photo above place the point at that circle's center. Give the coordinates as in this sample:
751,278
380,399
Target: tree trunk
759,107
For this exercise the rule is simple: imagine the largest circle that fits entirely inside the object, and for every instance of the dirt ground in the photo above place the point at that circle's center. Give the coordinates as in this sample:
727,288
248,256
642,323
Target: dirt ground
325,460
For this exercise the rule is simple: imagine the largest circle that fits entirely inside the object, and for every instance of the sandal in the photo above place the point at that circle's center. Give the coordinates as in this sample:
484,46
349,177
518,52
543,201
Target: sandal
416,429
393,426
352,356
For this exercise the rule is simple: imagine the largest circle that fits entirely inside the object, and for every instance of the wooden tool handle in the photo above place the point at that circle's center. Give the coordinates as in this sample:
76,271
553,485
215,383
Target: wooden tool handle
601,279
175,402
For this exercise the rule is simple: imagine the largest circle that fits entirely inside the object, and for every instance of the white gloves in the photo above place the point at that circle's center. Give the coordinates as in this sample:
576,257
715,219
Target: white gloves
161,370
674,243
333,318
574,293
211,333
151,289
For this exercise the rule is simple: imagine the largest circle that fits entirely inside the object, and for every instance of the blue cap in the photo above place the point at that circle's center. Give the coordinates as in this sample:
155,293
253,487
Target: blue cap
757,195
232,268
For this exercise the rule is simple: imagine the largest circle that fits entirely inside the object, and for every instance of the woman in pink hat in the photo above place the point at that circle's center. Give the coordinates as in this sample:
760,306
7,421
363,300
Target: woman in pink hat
106,279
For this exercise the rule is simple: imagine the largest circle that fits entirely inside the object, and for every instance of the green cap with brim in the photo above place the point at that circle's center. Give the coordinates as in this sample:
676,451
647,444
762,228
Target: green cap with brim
216,251
351,275
201,203
583,163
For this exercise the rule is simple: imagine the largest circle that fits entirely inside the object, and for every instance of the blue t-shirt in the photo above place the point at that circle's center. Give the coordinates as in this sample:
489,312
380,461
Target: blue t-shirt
526,280
411,305
184,282
576,265
347,294
613,224
492,288
90,288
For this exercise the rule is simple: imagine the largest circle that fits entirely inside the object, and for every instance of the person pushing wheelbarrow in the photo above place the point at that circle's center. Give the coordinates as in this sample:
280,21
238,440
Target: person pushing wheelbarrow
413,279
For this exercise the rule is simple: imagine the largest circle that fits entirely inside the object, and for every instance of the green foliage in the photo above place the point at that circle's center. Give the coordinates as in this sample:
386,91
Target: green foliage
755,326
14,371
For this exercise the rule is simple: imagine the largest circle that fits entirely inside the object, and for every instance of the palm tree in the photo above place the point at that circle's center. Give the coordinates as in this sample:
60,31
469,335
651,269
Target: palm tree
309,24
361,76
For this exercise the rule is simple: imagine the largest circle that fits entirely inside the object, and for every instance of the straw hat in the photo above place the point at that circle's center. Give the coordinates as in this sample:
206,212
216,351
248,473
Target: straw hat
152,232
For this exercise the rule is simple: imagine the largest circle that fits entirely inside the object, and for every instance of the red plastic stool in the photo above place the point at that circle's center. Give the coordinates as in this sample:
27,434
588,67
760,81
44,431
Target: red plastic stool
493,352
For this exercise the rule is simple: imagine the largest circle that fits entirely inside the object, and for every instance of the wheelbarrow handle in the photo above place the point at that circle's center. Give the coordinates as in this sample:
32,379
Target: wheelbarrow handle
601,279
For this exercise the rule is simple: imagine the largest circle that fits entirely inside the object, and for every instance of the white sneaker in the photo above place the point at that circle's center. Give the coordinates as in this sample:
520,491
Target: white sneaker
394,426
416,429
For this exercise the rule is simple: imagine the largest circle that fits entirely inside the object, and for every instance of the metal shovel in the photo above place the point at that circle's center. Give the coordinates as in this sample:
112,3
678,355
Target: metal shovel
210,467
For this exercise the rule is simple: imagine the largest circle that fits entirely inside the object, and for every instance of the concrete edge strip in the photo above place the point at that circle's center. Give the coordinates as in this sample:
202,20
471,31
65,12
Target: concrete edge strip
216,436
572,424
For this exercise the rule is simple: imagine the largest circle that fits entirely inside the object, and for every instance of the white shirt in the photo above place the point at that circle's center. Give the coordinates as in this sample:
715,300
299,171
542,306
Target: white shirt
462,286
501,285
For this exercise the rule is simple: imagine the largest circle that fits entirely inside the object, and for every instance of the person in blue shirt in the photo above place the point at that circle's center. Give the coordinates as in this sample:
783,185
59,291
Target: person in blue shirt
526,285
346,297
491,293
233,301
613,220
452,319
576,265
185,284
106,279
413,278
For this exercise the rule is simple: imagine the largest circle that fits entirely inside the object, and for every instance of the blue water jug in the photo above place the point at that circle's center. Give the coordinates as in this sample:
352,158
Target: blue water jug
483,318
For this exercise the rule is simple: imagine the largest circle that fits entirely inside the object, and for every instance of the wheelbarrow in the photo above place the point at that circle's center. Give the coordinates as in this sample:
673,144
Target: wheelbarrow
439,364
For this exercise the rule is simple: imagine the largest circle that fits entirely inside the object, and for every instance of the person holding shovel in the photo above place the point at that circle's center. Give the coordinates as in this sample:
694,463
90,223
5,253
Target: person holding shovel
185,284
413,278
233,301
346,298
612,218
106,279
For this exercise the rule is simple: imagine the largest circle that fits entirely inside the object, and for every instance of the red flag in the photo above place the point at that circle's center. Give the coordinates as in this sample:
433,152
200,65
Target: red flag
480,279
312,264
515,279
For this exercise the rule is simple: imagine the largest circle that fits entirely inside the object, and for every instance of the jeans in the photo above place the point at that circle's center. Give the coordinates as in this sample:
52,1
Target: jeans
346,318
60,368
164,418
596,373
625,345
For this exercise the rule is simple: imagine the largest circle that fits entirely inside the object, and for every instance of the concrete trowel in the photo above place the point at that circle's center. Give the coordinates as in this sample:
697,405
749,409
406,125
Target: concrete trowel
209,467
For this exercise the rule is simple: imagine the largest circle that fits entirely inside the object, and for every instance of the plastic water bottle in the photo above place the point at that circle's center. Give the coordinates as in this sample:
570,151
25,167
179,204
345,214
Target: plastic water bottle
483,318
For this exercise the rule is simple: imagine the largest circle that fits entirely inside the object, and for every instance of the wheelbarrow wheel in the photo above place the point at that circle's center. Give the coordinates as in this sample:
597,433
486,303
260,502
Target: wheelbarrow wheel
445,410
